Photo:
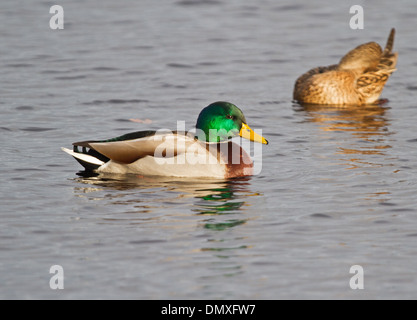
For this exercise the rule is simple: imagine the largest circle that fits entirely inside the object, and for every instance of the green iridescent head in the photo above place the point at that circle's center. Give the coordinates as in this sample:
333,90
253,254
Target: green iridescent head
221,121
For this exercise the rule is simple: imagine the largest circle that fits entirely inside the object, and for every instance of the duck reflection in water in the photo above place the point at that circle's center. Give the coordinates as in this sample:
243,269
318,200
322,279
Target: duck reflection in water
184,218
368,126
212,199
224,201
201,210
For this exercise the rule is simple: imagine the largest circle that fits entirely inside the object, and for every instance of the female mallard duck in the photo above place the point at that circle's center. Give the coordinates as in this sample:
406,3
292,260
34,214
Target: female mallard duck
205,153
358,79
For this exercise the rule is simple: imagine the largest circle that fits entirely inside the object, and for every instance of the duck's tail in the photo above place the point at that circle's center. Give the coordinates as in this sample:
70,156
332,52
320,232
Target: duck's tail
390,41
89,159
371,83
389,58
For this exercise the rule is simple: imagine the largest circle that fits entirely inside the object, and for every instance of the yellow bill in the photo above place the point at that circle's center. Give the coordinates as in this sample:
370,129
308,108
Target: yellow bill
247,133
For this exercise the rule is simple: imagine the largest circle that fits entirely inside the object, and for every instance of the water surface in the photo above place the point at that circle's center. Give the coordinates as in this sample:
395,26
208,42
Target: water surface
337,186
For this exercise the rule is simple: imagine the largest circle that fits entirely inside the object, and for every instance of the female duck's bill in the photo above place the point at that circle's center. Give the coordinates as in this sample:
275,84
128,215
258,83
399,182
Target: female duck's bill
207,153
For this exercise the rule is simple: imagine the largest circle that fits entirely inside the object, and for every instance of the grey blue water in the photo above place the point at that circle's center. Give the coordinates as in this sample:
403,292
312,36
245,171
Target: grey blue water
337,186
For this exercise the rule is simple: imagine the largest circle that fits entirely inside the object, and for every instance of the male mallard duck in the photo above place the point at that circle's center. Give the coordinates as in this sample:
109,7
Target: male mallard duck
358,79
206,153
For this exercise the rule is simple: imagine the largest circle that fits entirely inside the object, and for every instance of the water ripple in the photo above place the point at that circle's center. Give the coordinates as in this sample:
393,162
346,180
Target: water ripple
115,101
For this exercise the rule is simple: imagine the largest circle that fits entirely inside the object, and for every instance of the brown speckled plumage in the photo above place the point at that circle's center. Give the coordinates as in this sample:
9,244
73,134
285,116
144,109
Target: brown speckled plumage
358,79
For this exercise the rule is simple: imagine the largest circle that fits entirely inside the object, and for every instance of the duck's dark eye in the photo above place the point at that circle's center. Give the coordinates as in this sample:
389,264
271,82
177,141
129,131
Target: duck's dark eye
229,116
